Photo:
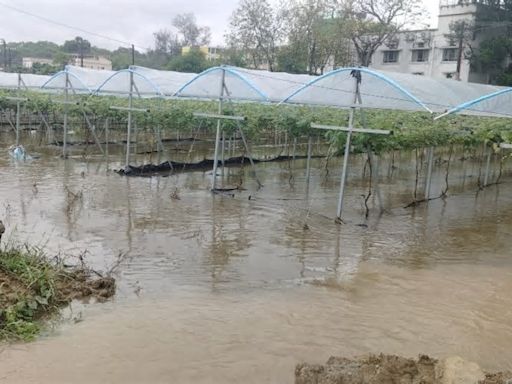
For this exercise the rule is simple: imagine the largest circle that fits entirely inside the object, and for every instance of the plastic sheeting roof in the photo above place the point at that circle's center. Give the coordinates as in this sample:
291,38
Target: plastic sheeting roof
498,103
10,80
389,90
378,89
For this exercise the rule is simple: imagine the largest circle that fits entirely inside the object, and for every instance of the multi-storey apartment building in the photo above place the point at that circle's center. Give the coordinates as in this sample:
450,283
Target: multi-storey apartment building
429,52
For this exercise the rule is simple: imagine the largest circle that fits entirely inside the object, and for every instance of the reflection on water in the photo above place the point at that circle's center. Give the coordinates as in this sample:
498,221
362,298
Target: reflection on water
221,288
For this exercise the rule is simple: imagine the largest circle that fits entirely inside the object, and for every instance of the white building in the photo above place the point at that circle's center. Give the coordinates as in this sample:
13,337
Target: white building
28,62
429,52
92,62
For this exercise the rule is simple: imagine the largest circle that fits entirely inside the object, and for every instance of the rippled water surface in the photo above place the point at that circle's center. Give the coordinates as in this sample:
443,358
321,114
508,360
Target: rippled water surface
240,288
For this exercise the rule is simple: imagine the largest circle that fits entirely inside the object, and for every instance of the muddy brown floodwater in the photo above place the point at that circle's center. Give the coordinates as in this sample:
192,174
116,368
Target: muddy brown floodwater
221,289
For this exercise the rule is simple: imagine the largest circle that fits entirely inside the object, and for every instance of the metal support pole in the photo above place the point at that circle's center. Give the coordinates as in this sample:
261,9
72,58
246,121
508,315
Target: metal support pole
357,98
428,183
375,160
345,164
217,136
106,139
308,162
129,128
223,150
66,111
135,138
487,167
18,111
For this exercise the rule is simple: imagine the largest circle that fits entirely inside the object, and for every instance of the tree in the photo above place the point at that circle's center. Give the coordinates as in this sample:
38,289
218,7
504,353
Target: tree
233,56
494,10
166,47
491,57
79,46
461,35
122,58
257,30
167,43
191,35
314,36
60,59
292,59
370,23
41,49
192,62
44,69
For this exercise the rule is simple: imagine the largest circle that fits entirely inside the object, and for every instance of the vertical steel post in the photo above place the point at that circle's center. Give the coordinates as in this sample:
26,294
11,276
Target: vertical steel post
135,136
217,136
347,150
375,160
129,129
66,110
106,140
487,167
18,110
308,163
428,183
222,152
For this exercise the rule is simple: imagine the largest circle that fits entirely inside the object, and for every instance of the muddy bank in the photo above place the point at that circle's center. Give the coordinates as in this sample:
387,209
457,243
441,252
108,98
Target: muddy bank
34,287
389,369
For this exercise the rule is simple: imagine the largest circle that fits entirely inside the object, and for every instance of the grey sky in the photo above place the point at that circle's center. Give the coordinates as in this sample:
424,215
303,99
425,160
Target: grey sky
127,20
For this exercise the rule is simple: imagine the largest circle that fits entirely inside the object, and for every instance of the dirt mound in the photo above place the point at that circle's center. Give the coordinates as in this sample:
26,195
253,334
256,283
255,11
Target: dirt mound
370,370
33,287
389,369
82,285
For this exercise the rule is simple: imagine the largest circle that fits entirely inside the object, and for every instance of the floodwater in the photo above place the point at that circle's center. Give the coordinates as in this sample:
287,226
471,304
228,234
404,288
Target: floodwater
239,289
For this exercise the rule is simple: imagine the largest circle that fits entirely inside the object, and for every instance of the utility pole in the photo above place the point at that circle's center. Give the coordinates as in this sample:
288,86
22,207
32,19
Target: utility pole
4,64
9,60
82,53
133,54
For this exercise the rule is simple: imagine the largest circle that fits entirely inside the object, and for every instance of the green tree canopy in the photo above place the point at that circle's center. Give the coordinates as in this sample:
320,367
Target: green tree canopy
193,62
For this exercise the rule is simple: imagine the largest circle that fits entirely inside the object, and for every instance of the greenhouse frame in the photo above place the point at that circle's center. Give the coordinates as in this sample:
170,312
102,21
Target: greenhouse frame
380,90
349,88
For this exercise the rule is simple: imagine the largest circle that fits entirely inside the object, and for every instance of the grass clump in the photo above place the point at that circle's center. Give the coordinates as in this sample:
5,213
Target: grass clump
33,287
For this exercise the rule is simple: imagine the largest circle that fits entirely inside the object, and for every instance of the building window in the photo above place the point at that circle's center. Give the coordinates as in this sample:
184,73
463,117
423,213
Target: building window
450,54
390,56
420,55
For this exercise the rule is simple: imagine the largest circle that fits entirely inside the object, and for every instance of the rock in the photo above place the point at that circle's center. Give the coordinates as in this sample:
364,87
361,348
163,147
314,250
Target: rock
498,378
382,369
389,369
455,370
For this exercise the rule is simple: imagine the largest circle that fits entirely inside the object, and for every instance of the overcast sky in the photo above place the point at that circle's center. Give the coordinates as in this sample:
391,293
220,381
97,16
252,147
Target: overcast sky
132,21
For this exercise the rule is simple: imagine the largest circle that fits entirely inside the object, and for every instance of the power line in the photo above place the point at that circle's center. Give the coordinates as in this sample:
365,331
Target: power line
43,18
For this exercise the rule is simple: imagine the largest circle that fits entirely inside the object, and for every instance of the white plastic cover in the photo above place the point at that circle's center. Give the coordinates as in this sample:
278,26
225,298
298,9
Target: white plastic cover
497,104
378,89
388,90
10,80
166,82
